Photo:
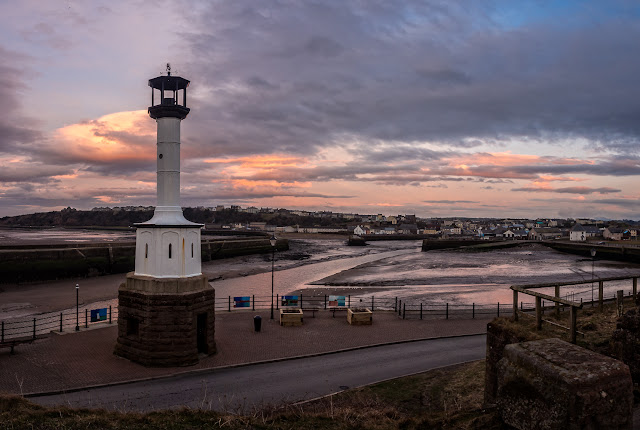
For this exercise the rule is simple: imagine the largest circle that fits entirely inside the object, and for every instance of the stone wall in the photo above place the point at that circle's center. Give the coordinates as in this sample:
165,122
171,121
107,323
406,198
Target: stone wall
552,384
625,341
158,320
497,338
48,262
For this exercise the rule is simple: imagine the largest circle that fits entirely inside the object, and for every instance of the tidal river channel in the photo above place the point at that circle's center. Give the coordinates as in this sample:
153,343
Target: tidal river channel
384,270
400,269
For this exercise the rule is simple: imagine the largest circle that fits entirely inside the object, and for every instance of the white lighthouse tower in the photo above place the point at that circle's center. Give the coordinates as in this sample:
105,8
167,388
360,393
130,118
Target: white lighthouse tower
166,307
168,246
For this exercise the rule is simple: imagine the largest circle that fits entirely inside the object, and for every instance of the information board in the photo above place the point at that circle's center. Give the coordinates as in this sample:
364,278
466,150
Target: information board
98,314
242,302
336,301
289,301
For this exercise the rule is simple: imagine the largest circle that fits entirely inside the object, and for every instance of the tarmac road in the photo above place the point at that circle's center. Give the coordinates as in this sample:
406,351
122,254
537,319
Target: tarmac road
241,389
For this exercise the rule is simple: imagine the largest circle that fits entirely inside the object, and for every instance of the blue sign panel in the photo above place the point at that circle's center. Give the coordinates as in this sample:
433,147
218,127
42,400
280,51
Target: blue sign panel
289,301
242,302
98,314
336,301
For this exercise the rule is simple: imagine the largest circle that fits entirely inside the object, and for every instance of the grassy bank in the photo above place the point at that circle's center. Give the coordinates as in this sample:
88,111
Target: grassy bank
449,398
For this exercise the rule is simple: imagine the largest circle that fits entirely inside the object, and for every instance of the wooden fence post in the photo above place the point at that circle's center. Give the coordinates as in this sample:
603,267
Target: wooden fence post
620,302
600,295
557,294
635,289
538,313
515,305
573,311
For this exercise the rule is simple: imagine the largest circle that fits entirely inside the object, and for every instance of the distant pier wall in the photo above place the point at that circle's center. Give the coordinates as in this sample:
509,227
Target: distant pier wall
431,244
29,263
617,252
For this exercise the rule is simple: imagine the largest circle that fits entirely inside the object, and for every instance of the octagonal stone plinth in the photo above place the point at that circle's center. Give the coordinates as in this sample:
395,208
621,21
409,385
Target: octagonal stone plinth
552,384
165,321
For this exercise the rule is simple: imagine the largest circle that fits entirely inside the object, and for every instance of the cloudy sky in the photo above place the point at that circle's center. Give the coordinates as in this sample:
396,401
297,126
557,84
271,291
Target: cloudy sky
434,108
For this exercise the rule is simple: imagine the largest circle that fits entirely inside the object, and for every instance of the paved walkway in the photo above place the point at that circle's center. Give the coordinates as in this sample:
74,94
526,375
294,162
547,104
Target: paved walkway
75,360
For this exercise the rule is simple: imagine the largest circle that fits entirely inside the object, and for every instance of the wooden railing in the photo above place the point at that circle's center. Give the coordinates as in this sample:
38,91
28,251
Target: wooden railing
573,306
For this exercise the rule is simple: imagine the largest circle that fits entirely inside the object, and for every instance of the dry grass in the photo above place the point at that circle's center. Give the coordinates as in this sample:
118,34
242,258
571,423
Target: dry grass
596,326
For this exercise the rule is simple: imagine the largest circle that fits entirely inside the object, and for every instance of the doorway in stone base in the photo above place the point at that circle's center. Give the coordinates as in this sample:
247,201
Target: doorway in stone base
201,333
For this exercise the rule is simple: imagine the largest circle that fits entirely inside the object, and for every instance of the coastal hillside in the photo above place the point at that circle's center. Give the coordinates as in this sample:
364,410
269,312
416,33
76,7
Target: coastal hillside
125,217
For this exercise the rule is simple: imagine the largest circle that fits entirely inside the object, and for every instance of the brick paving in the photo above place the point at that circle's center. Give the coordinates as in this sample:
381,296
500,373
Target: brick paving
74,360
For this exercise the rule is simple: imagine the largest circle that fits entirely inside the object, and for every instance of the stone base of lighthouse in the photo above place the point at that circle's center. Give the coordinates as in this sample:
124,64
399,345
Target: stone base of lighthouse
165,321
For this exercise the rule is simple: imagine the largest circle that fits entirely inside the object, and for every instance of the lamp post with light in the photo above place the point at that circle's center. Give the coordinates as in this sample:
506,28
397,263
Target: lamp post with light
273,242
77,301
593,259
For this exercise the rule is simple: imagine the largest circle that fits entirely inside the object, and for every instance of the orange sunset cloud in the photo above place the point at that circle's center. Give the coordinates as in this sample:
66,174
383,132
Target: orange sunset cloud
114,137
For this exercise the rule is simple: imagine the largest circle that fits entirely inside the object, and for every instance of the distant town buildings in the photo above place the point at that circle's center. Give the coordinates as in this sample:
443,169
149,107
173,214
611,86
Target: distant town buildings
281,220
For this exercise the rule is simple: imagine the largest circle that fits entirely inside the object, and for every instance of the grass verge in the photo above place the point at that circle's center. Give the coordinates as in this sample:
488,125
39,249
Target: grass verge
448,398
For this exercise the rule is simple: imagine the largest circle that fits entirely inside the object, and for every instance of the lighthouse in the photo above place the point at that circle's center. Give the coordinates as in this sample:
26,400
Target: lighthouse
168,245
166,306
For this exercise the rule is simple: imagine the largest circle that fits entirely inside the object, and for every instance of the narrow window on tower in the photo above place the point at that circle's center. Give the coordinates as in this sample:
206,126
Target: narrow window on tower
146,250
169,250
192,250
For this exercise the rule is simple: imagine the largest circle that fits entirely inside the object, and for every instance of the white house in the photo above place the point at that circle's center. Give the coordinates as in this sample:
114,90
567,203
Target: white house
515,233
359,230
580,233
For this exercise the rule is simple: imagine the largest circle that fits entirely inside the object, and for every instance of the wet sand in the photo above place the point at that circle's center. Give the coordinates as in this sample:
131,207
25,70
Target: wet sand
433,277
50,296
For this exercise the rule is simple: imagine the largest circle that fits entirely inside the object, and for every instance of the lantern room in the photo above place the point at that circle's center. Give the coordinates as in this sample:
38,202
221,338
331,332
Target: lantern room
172,92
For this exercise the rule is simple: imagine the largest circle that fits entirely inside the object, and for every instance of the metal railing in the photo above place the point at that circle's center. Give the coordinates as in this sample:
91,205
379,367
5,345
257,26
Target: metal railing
40,325
36,326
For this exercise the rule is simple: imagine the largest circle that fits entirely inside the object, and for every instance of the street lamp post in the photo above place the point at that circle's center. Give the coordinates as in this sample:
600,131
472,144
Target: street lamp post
593,259
77,302
273,242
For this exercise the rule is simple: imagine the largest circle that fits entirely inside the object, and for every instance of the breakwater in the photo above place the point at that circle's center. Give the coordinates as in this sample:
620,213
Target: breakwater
29,263
616,252
431,244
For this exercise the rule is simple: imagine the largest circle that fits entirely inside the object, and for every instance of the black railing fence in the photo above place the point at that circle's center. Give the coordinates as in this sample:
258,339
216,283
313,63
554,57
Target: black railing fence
40,325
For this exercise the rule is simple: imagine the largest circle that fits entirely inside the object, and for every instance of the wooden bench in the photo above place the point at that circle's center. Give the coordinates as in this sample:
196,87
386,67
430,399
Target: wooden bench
312,310
11,343
337,308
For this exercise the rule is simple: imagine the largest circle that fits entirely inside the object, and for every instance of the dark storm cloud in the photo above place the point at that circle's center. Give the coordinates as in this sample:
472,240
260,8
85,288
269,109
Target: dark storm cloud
34,172
569,190
434,71
239,193
16,130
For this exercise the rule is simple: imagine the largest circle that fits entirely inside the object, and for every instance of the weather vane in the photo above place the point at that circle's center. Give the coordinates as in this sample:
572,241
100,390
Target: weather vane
168,69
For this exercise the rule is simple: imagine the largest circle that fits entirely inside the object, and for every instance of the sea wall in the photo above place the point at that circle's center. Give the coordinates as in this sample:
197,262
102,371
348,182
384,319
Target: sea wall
617,252
429,244
48,262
